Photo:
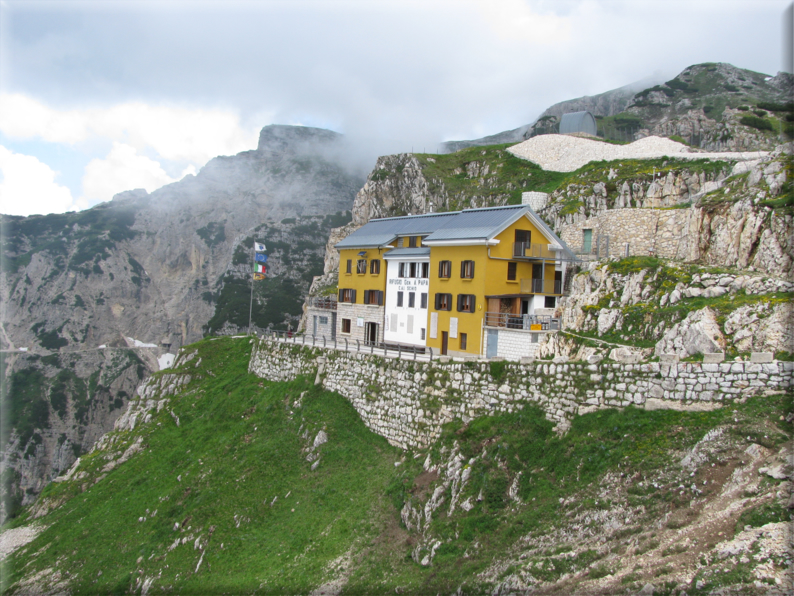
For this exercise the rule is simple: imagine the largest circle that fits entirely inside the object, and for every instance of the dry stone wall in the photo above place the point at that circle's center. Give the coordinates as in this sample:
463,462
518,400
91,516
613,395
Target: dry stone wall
408,402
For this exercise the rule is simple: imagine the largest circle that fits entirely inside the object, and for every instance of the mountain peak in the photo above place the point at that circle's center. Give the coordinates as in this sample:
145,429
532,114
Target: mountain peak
282,138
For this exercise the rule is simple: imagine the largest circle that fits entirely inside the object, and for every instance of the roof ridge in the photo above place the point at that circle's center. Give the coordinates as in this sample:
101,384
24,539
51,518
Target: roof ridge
416,215
494,208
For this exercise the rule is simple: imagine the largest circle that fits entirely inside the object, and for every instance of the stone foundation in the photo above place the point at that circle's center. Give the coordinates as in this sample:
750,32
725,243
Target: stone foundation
408,402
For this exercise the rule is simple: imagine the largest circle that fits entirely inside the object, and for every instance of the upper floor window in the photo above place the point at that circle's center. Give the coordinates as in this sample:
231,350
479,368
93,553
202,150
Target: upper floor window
400,298
425,270
443,301
402,270
466,302
512,268
361,266
347,295
349,266
412,241
411,299
412,269
467,269
445,269
423,301
374,266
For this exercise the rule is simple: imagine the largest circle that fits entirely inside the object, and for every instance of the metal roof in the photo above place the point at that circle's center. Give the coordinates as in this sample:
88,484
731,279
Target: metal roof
578,122
470,224
422,251
380,232
475,224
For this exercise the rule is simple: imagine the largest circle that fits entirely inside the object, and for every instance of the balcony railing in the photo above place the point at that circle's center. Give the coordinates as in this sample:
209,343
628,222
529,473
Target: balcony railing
529,250
323,303
522,322
541,286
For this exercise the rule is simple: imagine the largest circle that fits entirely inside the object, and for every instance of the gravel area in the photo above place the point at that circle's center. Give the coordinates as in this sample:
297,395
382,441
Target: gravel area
12,539
564,153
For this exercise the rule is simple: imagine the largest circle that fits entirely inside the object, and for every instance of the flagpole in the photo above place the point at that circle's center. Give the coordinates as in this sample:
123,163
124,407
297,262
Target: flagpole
251,304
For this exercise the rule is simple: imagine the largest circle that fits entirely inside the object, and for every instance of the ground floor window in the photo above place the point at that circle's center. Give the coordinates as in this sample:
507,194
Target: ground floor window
551,302
464,340
345,325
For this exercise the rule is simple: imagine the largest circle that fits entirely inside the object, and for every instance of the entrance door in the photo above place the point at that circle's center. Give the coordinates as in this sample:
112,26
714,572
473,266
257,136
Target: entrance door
537,278
587,241
493,343
371,333
444,342
314,317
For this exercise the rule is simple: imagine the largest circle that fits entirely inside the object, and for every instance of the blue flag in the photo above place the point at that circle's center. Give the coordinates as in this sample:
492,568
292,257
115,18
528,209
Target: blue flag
261,258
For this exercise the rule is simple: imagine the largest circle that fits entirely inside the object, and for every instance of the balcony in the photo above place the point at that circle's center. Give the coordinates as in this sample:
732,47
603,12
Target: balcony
527,250
322,303
551,287
522,322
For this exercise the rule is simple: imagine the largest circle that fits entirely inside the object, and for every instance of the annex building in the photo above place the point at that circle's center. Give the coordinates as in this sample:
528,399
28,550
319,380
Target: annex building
479,282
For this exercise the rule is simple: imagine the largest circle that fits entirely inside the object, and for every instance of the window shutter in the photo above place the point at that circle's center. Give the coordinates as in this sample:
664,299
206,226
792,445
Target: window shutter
438,301
460,301
463,268
366,296
353,297
472,269
473,302
341,294
380,297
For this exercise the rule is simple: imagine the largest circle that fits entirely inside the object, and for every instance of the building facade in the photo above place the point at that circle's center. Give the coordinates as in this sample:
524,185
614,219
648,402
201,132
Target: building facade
452,281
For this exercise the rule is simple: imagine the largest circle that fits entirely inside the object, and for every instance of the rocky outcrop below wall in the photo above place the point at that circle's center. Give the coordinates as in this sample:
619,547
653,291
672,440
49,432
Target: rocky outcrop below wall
408,402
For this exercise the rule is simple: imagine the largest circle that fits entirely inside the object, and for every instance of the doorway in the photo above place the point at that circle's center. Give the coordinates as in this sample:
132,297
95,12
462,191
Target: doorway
444,342
492,348
371,333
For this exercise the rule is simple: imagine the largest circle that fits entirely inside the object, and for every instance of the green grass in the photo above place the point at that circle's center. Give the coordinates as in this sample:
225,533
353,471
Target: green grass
507,178
241,442
237,447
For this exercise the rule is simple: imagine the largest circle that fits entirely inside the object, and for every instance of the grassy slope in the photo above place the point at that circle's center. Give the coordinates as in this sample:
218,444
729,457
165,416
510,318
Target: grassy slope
239,444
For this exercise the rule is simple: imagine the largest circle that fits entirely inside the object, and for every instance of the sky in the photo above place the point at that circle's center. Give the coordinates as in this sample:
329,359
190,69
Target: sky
105,96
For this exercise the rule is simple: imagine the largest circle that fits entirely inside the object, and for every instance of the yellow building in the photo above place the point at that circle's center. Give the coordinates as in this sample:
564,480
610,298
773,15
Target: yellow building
491,277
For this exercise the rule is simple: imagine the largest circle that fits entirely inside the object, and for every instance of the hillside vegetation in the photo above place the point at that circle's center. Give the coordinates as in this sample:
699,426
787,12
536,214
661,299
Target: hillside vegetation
219,482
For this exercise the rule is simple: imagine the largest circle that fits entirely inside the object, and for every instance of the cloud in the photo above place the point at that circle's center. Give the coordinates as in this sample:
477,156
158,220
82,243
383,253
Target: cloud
515,20
28,186
123,169
192,135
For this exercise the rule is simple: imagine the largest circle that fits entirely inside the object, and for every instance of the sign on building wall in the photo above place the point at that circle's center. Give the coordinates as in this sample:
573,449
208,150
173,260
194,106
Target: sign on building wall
433,325
453,327
359,322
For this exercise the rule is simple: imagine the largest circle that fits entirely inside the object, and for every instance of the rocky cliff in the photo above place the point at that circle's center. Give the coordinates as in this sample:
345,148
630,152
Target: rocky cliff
715,106
151,272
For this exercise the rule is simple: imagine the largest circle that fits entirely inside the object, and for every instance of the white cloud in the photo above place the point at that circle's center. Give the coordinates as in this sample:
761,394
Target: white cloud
174,133
123,169
28,186
515,20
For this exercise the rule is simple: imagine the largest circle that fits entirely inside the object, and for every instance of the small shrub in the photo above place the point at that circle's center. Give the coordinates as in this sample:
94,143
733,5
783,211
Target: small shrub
599,571
756,122
743,108
760,113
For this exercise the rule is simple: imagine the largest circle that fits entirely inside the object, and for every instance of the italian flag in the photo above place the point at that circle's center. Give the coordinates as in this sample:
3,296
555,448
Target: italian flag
260,268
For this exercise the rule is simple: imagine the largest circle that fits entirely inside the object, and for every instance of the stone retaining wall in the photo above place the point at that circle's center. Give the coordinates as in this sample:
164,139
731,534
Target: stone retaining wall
668,233
408,402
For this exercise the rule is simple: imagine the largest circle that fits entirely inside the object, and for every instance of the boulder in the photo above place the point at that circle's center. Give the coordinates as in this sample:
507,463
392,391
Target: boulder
698,333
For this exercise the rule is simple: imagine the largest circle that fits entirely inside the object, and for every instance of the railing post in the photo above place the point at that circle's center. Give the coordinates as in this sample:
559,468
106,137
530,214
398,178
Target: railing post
347,348
399,352
358,345
324,342
416,351
431,353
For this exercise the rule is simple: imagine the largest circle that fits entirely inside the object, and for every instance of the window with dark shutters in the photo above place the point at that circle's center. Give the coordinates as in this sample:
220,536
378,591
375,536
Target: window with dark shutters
349,266
374,266
445,269
467,269
443,301
466,302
